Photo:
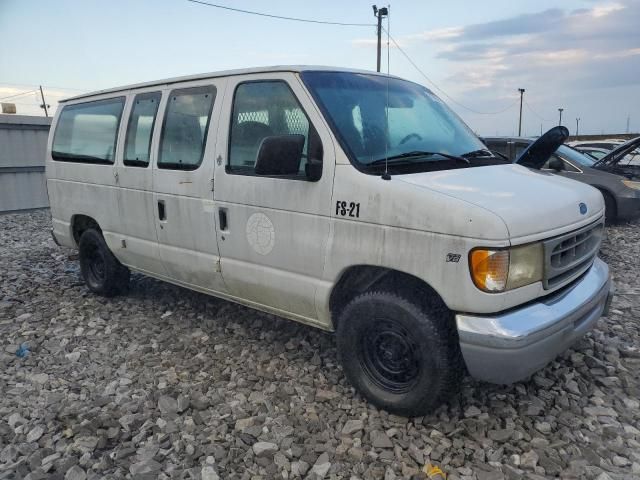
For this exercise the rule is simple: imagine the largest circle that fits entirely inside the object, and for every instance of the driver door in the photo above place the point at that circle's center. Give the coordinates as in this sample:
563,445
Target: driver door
272,229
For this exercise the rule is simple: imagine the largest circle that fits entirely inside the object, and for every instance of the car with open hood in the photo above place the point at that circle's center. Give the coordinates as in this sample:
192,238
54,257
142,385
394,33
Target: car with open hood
617,180
347,200
595,152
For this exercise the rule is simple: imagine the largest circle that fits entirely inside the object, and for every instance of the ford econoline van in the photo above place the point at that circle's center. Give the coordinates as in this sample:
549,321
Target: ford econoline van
346,200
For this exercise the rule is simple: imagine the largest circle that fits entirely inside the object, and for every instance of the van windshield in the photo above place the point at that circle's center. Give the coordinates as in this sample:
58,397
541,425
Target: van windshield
377,118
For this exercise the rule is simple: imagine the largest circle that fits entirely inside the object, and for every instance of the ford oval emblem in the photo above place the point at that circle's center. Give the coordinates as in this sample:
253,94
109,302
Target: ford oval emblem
583,208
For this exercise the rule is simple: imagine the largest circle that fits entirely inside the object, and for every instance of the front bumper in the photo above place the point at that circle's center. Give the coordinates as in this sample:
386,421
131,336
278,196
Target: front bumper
510,346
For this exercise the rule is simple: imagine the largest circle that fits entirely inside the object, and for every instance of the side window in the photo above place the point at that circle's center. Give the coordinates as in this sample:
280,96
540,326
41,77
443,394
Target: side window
137,147
596,154
262,109
88,132
185,127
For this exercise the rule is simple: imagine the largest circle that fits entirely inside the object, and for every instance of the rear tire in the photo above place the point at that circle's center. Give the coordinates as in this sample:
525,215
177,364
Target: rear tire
101,270
401,354
610,208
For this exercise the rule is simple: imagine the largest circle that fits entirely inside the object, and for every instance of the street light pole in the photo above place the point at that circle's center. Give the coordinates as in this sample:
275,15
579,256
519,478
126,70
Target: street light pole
379,14
577,126
560,121
521,90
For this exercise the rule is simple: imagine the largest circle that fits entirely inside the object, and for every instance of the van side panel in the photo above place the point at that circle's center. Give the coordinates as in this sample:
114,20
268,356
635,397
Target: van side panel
439,259
135,240
272,248
184,198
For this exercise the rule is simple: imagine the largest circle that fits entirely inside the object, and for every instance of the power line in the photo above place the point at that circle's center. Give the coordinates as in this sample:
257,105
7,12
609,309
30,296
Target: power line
305,20
441,90
17,95
536,113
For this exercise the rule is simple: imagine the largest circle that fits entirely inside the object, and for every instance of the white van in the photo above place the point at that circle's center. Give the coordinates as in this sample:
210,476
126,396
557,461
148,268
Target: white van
347,200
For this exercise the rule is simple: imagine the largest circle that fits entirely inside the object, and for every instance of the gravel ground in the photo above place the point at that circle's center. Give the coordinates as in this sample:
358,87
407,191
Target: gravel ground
168,383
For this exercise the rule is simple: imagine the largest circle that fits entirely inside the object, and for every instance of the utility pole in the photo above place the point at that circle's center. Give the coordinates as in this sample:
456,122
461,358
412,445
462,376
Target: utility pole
540,129
379,14
521,90
577,126
560,121
628,121
44,104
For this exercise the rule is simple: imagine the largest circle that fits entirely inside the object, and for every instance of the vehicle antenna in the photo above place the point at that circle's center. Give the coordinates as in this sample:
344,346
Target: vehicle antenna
385,175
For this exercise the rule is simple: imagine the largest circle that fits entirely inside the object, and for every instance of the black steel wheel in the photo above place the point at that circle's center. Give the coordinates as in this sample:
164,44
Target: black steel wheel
390,356
400,353
101,270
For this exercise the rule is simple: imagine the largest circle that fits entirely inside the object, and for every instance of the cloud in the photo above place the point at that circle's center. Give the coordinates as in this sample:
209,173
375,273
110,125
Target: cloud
439,34
575,48
586,60
373,43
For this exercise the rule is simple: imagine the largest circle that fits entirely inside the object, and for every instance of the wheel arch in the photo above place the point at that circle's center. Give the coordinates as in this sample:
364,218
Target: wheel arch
358,279
80,223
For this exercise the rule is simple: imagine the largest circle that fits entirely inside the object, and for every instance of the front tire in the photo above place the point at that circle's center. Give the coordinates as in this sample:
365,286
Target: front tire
101,270
399,353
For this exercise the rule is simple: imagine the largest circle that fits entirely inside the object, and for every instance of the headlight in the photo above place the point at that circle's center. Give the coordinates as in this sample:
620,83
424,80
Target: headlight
494,270
632,184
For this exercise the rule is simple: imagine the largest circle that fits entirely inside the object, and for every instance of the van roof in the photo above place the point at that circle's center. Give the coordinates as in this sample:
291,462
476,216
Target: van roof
223,73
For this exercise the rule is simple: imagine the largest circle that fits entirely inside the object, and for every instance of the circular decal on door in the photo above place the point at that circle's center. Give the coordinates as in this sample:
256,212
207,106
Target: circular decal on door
260,233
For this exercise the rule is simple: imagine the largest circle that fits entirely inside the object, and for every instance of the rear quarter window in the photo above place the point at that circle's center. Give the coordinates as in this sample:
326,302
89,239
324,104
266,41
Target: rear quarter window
88,132
185,127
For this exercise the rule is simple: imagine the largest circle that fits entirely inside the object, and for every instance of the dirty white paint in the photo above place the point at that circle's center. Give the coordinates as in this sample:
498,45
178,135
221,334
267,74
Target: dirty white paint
260,233
284,246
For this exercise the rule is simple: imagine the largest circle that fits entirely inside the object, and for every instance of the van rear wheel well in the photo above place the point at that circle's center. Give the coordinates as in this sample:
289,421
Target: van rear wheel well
81,223
363,278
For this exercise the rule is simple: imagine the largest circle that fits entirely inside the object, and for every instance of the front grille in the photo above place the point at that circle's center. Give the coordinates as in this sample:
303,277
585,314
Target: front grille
569,255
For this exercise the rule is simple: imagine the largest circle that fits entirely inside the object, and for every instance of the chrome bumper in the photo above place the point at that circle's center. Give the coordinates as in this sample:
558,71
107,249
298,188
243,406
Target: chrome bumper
511,346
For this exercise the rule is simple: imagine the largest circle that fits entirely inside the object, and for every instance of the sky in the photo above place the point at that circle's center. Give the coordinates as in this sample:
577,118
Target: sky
579,55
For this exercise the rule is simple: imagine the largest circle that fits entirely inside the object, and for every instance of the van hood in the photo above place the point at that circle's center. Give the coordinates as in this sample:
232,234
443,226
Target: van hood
531,203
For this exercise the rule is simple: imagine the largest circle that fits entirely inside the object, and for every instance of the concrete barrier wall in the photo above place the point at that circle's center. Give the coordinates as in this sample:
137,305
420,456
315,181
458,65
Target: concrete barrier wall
608,136
23,144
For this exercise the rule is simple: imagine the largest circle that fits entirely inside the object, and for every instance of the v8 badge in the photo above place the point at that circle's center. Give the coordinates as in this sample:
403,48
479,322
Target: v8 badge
453,257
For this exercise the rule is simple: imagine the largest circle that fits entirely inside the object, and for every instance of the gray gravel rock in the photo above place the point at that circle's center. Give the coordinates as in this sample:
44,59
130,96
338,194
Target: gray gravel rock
171,384
320,468
75,473
35,434
352,426
264,449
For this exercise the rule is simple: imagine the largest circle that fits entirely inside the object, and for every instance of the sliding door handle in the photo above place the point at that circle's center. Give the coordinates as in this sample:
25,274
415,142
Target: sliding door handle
222,219
162,211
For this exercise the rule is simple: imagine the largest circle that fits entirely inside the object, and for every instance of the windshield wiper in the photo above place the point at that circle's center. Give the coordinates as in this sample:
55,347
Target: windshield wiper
417,153
483,152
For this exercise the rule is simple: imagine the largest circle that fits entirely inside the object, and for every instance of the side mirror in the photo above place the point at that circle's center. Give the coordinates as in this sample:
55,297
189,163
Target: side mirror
313,169
280,155
556,164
